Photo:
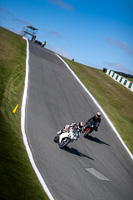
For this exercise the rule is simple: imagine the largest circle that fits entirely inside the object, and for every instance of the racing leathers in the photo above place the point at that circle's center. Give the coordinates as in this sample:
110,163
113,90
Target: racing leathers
92,122
67,128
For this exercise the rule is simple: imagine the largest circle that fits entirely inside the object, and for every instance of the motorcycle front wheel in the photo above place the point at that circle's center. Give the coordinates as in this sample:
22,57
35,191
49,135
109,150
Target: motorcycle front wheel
64,142
85,134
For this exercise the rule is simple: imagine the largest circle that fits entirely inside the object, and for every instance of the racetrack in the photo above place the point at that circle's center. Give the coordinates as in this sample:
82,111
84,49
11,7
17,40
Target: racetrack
94,168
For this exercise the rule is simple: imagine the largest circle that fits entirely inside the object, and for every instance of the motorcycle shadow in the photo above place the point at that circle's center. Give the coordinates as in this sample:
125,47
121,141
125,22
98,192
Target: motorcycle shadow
94,139
76,152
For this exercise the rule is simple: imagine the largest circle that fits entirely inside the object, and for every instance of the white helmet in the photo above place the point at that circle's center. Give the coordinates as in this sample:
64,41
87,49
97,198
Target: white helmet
81,124
98,115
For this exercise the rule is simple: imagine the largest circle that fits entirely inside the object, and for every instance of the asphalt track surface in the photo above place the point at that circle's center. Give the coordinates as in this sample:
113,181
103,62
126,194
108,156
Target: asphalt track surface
97,167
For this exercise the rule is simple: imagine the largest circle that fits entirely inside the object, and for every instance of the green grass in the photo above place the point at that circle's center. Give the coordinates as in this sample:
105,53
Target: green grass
130,79
17,177
115,99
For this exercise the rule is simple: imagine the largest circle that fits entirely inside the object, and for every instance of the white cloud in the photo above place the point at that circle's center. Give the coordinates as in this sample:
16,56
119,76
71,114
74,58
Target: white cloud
13,17
118,67
54,33
59,51
120,45
61,4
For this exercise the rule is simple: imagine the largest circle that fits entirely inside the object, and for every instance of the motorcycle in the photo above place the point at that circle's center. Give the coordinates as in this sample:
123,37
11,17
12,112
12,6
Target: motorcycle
64,137
88,130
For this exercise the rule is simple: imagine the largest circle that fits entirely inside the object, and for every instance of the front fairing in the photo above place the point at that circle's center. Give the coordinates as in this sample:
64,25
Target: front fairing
66,134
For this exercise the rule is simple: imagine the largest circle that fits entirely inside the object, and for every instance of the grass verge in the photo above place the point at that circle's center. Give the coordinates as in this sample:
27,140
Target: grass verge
115,99
17,177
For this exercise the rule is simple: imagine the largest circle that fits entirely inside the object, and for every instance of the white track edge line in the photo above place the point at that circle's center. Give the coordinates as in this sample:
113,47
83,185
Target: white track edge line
112,126
23,129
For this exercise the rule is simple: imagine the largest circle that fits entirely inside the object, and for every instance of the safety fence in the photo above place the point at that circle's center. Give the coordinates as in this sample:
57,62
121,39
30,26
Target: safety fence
120,79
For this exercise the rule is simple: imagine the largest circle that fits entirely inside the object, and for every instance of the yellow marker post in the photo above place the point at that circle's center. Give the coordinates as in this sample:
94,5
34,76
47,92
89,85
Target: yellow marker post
15,109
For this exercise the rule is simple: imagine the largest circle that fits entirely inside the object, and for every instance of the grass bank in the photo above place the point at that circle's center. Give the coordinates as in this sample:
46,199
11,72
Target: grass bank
17,177
115,99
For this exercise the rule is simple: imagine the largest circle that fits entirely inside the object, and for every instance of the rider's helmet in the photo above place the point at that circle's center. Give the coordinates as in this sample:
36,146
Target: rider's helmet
81,124
98,115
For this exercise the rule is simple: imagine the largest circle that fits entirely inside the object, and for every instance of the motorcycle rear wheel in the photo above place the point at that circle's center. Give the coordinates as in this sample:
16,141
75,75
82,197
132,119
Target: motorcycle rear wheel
86,133
56,139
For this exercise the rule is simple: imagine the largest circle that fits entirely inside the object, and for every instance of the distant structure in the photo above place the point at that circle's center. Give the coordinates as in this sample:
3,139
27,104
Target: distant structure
120,73
120,78
30,30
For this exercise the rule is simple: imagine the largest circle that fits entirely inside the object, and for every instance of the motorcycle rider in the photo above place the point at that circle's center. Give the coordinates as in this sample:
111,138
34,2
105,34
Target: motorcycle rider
93,122
78,126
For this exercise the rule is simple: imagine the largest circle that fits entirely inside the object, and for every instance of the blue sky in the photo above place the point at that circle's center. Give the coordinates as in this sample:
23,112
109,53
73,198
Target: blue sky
97,33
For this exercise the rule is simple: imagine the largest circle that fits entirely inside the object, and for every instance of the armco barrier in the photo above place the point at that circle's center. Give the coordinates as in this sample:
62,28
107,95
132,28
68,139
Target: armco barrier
120,79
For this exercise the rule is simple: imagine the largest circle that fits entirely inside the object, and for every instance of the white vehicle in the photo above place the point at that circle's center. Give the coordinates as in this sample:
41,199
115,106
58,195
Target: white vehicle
67,135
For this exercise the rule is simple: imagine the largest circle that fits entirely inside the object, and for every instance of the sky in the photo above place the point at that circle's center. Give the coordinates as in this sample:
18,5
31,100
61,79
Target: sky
96,33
